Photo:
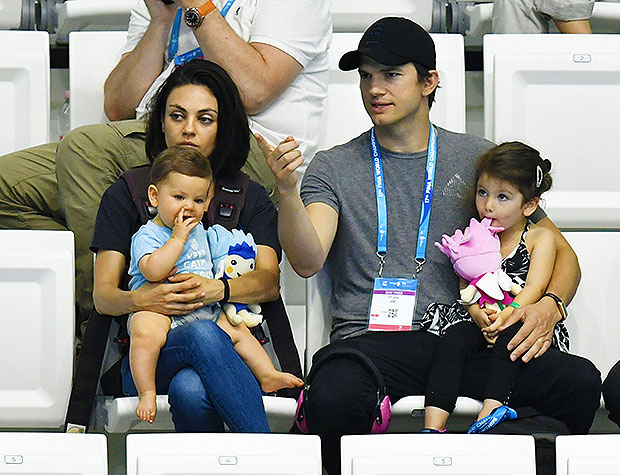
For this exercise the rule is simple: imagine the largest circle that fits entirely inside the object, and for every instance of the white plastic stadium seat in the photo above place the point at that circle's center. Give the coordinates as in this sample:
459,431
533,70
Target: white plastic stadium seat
94,15
427,454
10,14
593,321
88,72
119,415
345,117
587,454
36,328
561,94
24,89
238,454
357,15
53,453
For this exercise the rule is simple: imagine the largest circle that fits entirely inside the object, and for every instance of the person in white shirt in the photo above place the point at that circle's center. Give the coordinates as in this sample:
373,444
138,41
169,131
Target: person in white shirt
274,50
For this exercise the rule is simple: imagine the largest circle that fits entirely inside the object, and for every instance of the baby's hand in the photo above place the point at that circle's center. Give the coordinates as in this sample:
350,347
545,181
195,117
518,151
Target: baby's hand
182,227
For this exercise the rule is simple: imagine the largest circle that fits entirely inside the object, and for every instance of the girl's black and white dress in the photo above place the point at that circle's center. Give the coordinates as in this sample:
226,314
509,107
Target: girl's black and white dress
440,316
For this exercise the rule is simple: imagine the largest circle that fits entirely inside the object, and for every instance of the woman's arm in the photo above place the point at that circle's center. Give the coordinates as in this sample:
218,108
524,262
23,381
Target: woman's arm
168,299
260,285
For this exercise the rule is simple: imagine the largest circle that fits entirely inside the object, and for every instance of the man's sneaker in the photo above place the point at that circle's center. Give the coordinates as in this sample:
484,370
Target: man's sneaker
500,414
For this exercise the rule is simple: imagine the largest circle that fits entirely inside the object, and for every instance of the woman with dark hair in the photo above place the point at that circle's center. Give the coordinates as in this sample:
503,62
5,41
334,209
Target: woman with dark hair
207,383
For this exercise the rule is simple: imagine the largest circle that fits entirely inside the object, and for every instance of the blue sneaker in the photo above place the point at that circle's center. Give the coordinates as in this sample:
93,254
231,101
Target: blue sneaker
428,430
500,414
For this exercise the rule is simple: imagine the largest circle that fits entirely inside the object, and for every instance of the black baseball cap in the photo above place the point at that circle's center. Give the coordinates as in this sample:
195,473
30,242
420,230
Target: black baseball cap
393,41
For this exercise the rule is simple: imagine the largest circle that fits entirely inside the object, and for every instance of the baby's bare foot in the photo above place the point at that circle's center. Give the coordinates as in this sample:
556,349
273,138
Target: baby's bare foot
147,407
278,380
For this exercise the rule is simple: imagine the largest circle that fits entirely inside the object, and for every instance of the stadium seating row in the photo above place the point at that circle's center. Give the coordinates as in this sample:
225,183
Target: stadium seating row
533,87
253,454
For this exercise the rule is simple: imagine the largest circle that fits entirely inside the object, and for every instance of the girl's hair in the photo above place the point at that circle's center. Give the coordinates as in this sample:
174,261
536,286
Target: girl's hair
183,160
232,142
518,164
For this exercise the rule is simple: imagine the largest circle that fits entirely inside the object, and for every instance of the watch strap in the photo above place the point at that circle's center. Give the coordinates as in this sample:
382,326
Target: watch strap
559,303
224,281
206,8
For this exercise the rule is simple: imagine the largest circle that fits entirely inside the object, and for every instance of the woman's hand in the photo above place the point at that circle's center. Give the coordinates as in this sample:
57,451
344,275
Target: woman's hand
211,290
178,298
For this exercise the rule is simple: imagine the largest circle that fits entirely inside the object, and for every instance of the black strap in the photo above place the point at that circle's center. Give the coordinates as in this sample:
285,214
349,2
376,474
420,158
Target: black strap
87,371
226,205
138,180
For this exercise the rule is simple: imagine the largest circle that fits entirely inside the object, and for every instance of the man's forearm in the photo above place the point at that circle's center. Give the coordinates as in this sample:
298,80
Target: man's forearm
298,235
566,274
135,73
261,73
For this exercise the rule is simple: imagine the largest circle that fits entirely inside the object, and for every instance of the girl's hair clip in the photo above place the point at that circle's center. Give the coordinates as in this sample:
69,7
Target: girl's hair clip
539,176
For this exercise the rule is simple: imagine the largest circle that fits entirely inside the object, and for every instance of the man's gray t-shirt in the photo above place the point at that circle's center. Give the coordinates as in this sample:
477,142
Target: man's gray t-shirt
343,178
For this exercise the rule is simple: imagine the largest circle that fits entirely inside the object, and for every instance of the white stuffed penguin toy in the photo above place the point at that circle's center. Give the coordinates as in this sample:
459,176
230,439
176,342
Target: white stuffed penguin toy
234,254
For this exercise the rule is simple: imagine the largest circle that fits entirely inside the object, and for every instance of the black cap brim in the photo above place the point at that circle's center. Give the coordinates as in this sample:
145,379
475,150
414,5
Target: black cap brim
351,60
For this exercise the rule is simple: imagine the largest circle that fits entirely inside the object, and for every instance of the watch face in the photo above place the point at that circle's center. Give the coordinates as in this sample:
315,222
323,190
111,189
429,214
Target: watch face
193,18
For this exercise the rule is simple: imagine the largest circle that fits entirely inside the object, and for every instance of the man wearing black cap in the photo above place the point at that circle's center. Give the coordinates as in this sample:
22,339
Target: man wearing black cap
363,208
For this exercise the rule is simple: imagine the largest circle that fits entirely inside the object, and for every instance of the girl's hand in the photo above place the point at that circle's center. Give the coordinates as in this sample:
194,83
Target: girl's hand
493,328
182,227
482,316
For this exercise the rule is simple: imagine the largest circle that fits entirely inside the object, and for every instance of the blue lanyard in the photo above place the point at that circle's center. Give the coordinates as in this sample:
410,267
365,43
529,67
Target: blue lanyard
427,201
174,36
173,48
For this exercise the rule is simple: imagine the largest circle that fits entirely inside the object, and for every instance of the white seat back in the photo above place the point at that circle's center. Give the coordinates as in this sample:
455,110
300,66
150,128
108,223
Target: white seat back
36,328
247,454
357,15
88,72
462,454
120,414
53,453
587,454
93,15
10,15
24,89
561,94
593,321
345,117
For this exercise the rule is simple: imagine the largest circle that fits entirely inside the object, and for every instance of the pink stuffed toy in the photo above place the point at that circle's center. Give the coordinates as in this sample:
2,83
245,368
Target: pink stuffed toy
476,258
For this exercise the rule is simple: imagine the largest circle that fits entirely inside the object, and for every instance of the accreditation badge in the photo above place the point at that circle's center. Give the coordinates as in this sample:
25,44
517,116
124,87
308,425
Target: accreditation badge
393,304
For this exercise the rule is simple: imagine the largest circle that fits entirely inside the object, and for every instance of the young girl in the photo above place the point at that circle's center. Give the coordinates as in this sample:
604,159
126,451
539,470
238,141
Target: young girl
510,179
175,238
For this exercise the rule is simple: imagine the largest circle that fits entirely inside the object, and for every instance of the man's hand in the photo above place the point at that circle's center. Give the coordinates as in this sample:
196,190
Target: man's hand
283,160
160,12
534,337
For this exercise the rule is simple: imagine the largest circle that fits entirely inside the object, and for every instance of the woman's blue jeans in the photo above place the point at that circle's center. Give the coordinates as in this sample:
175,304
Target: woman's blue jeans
207,382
